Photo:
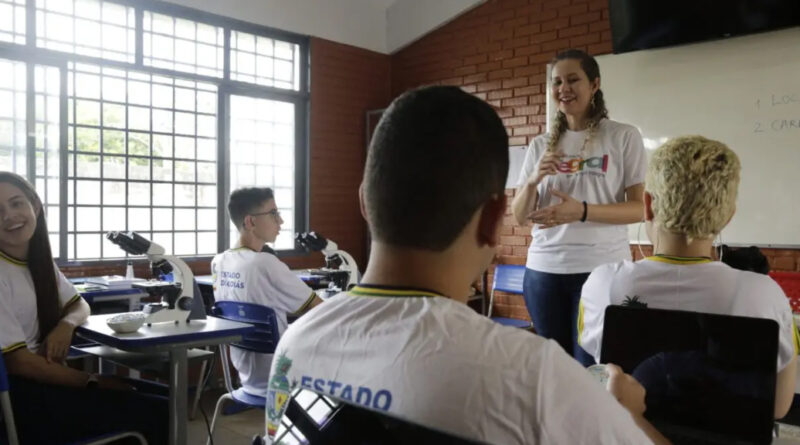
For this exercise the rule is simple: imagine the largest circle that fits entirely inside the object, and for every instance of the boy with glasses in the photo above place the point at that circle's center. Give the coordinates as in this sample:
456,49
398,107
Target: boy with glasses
247,274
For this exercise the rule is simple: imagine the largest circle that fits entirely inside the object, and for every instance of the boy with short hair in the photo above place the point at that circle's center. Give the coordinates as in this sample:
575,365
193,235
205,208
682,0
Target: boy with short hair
690,195
247,274
403,341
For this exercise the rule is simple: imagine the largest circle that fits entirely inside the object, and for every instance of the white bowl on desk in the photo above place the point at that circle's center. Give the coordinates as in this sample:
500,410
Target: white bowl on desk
127,322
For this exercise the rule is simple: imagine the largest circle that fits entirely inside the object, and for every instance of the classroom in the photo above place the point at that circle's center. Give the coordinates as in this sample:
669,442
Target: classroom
399,221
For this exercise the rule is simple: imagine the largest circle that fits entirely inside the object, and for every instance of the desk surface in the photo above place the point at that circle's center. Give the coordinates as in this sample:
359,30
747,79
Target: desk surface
195,332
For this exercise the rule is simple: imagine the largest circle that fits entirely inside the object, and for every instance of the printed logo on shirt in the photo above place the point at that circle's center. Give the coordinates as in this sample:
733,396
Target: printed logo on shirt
278,394
369,397
231,279
634,301
597,164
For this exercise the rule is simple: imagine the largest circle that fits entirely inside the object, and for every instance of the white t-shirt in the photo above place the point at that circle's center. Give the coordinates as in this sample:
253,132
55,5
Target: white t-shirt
684,284
243,274
616,160
19,319
435,362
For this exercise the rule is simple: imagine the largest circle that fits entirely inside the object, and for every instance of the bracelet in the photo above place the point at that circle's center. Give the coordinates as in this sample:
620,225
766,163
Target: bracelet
585,210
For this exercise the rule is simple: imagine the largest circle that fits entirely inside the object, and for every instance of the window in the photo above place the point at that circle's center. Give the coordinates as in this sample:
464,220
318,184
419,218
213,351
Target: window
127,135
183,45
88,27
265,61
12,21
262,152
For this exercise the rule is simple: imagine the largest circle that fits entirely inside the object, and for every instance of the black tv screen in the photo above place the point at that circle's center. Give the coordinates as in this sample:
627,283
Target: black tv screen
643,24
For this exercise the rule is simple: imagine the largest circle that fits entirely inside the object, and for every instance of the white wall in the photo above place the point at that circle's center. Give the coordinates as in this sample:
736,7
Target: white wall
359,23
378,25
408,20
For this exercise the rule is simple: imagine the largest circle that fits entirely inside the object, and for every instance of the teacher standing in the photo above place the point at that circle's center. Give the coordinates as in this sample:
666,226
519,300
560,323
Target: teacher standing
580,185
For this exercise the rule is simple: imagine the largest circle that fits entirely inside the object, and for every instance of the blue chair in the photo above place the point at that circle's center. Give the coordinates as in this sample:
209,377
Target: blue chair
11,428
508,278
262,341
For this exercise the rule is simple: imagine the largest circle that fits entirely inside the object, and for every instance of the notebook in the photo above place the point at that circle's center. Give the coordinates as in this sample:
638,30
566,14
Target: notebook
709,378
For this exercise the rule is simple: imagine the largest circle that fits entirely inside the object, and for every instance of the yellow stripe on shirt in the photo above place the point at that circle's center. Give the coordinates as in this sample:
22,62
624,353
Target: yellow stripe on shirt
580,320
796,337
381,292
684,261
305,305
14,347
4,256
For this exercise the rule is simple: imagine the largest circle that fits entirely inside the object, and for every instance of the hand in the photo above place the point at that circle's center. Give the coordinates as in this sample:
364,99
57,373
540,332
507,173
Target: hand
56,346
547,166
115,383
629,392
569,210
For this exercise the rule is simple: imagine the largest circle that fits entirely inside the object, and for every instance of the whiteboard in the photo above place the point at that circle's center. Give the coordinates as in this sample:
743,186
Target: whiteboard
743,91
516,157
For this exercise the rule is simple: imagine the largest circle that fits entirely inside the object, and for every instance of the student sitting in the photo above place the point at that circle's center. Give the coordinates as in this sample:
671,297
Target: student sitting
247,274
404,341
39,310
690,195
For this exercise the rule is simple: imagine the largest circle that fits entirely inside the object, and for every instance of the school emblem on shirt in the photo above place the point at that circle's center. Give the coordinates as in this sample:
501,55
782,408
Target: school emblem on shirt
634,301
278,394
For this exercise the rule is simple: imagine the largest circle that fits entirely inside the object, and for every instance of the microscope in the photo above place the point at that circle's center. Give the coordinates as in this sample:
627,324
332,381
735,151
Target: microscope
340,268
177,296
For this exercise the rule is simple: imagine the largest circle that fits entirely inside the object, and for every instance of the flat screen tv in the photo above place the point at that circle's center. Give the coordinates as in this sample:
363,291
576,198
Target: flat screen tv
643,24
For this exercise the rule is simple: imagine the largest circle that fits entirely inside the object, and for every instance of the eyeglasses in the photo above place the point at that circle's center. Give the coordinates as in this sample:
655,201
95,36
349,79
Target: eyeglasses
274,212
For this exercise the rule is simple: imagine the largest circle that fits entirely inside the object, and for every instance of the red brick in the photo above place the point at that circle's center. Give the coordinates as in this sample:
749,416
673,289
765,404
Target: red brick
469,88
472,60
602,25
518,140
488,86
515,82
515,101
519,120
598,5
522,230
516,22
506,230
544,37
501,74
500,94
505,112
555,46
544,16
524,71
555,4
475,78
515,62
516,42
573,31
559,23
574,10
490,66
786,263
512,240
526,91
519,250
528,50
600,48
533,109
465,70
500,34
527,30
532,129
584,40
503,54
605,36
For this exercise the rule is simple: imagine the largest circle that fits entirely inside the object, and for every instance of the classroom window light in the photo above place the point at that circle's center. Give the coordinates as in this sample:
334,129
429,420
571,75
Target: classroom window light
262,154
140,149
265,61
93,28
12,21
13,110
183,45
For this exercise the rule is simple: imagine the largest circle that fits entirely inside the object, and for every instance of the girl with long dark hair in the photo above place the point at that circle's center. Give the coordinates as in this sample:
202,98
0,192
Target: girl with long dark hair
39,310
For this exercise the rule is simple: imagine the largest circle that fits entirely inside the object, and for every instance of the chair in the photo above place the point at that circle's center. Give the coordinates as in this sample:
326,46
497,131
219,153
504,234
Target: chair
508,278
262,341
11,429
356,425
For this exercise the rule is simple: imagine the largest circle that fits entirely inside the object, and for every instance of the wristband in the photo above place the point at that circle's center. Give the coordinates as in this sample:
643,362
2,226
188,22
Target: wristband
585,210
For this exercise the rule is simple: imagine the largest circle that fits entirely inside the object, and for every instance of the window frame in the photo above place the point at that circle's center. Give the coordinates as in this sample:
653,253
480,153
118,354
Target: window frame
32,55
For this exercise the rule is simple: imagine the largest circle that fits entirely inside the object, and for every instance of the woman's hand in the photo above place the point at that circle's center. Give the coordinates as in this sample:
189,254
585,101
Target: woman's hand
56,346
569,210
548,165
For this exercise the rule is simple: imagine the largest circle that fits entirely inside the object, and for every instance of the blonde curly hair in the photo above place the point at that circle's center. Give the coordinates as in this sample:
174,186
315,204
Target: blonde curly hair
693,182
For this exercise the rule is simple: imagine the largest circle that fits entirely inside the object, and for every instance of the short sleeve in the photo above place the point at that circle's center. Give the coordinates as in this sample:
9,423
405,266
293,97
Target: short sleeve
595,297
532,155
67,294
293,295
635,158
12,337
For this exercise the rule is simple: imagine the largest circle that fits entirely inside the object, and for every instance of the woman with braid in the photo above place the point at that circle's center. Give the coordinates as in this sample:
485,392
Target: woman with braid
580,185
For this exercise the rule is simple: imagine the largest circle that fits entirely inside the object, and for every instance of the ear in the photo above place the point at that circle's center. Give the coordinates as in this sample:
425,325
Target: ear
361,205
247,222
595,85
490,221
648,207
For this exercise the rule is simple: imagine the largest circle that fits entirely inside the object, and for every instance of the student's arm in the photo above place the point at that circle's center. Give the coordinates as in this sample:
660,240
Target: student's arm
24,363
784,388
630,395
56,345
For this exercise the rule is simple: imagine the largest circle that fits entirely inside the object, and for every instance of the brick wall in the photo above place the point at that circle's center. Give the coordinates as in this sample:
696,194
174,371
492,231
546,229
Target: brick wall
498,52
345,83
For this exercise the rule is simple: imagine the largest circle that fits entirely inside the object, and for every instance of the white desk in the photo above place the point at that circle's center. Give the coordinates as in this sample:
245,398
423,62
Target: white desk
175,339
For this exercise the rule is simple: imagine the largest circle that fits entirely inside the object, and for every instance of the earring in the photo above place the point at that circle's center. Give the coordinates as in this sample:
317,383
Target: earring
592,102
